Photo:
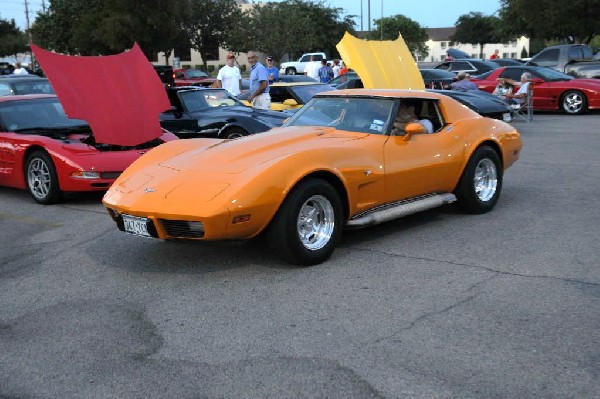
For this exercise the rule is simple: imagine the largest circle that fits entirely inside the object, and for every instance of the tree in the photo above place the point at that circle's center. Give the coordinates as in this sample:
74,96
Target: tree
412,32
12,39
294,27
208,24
575,21
477,28
98,27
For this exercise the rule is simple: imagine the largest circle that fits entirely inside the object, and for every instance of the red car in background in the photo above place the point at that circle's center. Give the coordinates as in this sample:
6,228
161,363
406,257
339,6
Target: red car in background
86,140
192,77
552,90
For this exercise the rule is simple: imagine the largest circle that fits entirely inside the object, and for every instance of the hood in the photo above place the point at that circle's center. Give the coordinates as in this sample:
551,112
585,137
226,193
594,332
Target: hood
236,156
457,54
381,64
119,96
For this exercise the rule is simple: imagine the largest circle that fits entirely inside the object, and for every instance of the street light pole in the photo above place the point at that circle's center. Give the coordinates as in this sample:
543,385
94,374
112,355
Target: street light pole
369,13
381,19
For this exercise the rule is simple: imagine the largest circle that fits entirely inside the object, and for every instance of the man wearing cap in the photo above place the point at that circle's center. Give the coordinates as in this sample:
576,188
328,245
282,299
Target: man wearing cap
463,83
229,77
259,83
272,71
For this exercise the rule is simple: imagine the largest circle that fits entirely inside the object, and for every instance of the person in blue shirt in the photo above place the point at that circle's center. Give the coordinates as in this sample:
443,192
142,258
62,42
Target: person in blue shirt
463,83
325,72
272,71
259,83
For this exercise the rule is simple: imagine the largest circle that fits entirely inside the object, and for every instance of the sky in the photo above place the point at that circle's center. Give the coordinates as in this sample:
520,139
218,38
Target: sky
429,13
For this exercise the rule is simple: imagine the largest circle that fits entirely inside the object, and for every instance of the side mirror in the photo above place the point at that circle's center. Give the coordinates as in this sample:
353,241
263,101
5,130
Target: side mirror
413,128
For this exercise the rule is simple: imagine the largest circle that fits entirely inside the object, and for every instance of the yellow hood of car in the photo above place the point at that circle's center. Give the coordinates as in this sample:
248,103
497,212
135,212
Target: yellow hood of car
383,64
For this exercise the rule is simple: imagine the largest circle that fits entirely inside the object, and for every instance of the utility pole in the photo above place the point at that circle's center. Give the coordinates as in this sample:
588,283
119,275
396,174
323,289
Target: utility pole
361,16
381,19
27,14
43,6
369,13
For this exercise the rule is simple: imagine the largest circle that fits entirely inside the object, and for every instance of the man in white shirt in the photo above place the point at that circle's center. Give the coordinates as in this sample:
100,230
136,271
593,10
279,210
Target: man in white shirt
20,70
229,77
312,68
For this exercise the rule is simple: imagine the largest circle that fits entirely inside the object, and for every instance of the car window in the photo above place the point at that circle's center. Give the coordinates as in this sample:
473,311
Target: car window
39,113
365,115
33,87
512,73
5,89
548,58
461,66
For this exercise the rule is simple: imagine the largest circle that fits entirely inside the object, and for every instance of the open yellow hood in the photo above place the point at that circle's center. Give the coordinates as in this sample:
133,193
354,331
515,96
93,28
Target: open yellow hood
383,64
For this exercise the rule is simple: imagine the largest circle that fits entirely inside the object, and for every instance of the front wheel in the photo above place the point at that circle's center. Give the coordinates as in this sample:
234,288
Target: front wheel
290,71
234,133
574,102
480,184
307,226
42,181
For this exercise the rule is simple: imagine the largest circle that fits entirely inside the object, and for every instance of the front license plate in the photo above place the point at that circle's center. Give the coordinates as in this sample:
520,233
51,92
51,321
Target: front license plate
136,225
506,117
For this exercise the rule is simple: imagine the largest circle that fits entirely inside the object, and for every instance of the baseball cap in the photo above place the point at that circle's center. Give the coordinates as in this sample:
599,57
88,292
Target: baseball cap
269,58
230,55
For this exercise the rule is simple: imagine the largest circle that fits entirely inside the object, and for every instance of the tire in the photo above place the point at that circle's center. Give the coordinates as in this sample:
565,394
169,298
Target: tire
481,182
41,178
308,224
573,102
290,71
234,133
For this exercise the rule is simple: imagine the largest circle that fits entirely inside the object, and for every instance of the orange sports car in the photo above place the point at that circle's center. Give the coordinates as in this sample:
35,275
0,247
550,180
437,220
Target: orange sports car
347,159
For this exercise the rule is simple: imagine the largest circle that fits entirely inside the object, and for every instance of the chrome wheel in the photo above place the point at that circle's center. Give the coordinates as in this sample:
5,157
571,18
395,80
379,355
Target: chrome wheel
485,179
39,178
574,102
316,222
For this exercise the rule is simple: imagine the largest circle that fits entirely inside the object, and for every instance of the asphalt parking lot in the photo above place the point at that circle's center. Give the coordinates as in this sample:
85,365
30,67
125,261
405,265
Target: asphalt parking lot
436,305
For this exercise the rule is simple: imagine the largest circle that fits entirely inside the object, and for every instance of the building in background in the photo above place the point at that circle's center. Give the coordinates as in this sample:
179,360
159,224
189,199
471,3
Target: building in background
439,41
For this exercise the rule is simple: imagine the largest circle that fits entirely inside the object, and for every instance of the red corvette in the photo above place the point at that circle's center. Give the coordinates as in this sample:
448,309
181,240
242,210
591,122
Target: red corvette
47,152
553,90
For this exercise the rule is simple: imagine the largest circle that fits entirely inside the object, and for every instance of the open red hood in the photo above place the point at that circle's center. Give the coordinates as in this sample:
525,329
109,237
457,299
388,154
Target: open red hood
120,96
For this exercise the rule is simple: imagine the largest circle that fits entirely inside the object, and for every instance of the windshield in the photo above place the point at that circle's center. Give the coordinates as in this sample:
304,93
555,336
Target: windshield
35,114
366,115
552,75
32,86
194,73
195,100
307,92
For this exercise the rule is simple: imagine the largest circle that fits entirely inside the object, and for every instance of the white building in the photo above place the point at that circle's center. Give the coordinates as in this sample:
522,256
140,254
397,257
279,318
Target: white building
439,41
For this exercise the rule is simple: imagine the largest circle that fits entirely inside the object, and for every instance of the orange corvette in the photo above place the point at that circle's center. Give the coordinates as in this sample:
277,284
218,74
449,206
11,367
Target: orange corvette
347,159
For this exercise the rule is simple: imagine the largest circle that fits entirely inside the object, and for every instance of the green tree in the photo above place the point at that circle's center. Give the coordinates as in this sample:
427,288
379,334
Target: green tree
12,39
575,21
96,27
294,27
208,24
412,32
478,28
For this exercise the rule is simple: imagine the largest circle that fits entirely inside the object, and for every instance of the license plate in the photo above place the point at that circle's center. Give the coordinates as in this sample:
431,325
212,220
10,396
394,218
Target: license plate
506,117
136,225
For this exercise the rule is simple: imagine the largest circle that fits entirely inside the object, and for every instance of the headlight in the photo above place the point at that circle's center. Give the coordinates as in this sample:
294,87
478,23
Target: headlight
85,174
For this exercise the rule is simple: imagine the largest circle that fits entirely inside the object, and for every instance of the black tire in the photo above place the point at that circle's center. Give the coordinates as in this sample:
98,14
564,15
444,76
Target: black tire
321,234
481,182
290,71
41,178
234,133
574,102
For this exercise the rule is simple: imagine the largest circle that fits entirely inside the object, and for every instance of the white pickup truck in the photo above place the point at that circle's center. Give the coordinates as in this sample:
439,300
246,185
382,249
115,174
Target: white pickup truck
297,67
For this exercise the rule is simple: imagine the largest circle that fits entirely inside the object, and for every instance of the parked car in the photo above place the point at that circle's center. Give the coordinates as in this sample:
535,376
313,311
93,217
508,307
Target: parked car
192,77
437,78
482,102
283,79
48,153
286,96
573,59
297,67
349,80
335,164
507,62
202,112
552,91
472,66
166,74
14,85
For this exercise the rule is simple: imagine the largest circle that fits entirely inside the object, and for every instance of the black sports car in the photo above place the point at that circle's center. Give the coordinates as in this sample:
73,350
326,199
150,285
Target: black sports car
437,78
14,85
207,112
483,103
472,66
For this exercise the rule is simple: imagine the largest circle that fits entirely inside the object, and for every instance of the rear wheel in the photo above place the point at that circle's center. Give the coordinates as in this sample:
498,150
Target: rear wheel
42,181
574,102
479,186
290,71
307,226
